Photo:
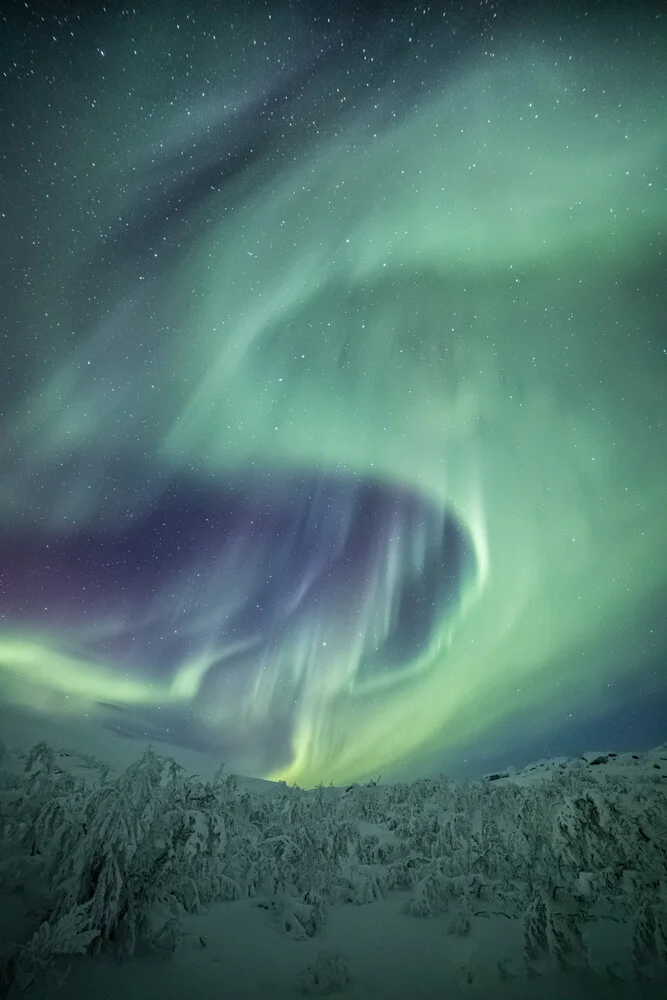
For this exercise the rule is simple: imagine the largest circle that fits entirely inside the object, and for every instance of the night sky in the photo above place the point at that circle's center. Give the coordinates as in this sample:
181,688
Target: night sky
332,399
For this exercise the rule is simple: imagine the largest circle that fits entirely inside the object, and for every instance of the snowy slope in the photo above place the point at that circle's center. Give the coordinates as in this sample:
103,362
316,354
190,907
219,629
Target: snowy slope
551,879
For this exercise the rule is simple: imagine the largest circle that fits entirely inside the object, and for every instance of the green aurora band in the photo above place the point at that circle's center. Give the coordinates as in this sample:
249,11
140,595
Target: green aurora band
449,307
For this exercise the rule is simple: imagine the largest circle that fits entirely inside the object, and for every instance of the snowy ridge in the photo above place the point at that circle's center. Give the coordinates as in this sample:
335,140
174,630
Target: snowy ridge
655,758
556,872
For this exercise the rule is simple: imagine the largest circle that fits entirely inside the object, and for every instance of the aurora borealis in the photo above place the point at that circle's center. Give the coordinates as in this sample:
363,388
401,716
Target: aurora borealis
332,436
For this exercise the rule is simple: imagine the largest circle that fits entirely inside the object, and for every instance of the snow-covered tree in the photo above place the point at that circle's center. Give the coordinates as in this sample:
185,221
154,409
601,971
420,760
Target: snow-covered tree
329,974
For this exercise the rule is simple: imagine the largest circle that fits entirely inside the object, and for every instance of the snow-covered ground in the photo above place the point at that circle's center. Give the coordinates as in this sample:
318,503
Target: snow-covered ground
549,881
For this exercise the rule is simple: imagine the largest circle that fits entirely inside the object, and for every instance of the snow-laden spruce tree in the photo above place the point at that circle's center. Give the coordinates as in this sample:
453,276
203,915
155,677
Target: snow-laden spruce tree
649,932
106,867
553,939
38,807
23,967
329,974
120,859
